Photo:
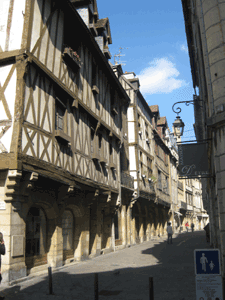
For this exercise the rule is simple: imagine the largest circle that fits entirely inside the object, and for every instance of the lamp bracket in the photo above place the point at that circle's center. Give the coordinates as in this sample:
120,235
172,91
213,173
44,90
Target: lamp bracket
178,109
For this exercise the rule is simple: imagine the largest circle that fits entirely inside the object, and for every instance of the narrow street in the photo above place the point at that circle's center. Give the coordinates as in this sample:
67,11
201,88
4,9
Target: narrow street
123,274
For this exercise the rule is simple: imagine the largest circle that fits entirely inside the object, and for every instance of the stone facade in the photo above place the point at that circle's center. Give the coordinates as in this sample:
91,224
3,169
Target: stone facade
80,150
205,35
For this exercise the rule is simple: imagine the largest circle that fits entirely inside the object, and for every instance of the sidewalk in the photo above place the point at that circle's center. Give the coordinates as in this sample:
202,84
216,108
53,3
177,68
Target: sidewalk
123,274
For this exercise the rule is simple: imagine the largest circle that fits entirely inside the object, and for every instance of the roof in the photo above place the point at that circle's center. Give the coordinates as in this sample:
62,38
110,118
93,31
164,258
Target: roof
104,24
101,23
154,108
162,121
78,3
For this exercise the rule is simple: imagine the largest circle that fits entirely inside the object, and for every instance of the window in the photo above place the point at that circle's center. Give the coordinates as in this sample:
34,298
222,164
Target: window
149,166
159,180
139,122
95,88
156,149
61,121
114,102
60,116
166,184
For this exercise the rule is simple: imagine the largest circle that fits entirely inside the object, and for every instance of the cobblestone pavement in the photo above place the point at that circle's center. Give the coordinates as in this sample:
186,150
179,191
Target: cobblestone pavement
123,274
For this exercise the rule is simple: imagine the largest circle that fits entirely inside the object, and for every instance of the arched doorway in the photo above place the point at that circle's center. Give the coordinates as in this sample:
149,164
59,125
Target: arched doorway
36,238
68,234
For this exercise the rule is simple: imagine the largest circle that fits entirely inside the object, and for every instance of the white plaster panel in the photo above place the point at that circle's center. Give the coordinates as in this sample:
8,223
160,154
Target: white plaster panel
34,142
6,139
52,41
41,148
4,9
59,44
4,72
10,93
131,132
130,114
17,25
3,115
132,158
24,139
44,43
134,174
36,22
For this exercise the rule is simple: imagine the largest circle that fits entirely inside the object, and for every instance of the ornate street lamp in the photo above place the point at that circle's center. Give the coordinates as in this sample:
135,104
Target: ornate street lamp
178,123
178,126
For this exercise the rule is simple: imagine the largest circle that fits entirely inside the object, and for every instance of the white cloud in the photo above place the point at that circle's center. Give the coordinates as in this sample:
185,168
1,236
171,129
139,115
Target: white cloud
184,48
160,77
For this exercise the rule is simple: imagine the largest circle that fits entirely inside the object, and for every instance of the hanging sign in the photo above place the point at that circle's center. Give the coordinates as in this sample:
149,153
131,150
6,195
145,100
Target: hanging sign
193,160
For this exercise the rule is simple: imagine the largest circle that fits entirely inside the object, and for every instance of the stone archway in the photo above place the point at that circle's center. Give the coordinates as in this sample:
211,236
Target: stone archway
36,238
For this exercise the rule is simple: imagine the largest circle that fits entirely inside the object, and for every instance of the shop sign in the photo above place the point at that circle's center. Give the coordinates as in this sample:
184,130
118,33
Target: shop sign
193,160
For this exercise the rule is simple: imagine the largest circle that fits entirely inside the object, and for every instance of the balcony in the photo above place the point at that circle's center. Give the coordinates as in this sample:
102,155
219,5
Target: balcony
146,186
183,205
127,180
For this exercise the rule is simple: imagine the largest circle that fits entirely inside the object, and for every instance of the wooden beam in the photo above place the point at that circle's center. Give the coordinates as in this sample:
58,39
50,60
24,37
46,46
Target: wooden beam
8,55
68,91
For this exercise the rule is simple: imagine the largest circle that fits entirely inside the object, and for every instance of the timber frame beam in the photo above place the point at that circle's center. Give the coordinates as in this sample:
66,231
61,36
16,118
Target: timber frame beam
47,170
43,68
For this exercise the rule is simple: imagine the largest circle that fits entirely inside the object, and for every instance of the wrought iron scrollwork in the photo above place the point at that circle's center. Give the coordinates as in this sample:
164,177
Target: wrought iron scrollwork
178,109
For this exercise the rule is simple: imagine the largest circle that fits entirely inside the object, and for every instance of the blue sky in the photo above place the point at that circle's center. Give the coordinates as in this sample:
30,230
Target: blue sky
153,36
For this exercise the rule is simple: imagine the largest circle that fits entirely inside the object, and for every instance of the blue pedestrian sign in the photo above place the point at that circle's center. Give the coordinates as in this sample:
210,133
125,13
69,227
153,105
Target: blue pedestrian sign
207,262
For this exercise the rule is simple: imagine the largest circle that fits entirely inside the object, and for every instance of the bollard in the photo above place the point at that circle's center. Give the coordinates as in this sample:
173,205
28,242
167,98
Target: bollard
96,286
151,291
223,278
50,280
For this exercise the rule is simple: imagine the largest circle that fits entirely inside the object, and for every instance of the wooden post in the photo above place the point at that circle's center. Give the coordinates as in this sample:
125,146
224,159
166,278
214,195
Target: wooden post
151,290
96,286
50,280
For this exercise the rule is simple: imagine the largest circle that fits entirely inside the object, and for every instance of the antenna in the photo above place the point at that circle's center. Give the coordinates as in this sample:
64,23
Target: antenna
118,61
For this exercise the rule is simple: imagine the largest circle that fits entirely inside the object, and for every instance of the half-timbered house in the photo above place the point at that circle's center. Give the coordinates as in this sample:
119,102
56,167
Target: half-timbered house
138,210
162,170
60,139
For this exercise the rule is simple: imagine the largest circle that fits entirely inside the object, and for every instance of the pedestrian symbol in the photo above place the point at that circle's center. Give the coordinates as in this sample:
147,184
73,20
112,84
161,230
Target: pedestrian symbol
207,262
211,265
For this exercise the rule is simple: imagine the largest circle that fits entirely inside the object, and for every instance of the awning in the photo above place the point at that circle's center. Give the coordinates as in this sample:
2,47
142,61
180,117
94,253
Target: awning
202,215
178,213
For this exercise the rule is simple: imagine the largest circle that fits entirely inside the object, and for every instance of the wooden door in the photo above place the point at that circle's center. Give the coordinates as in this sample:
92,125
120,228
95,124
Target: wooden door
35,238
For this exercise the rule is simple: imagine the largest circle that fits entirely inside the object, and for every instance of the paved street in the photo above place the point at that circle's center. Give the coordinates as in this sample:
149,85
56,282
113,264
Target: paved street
123,274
